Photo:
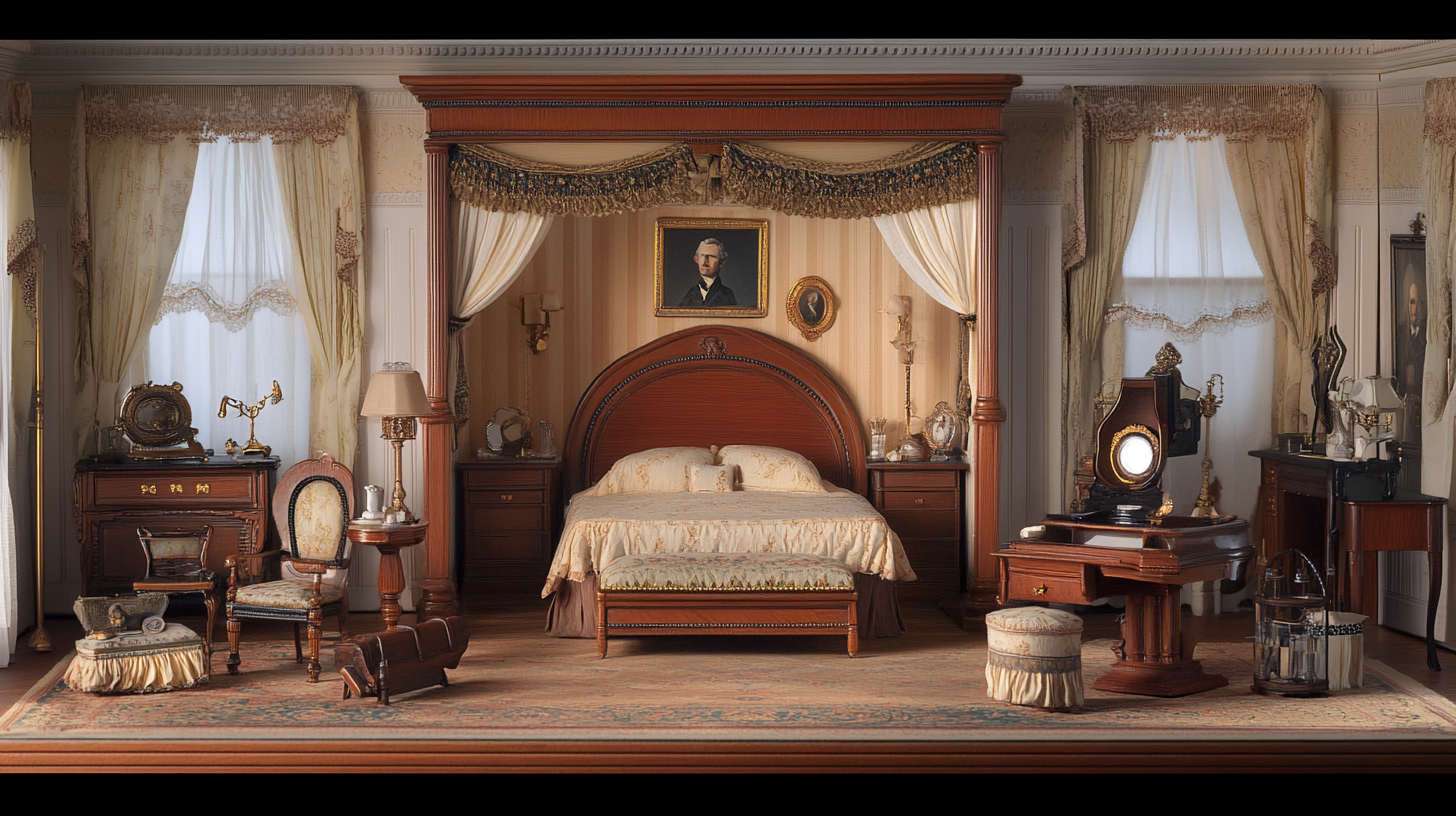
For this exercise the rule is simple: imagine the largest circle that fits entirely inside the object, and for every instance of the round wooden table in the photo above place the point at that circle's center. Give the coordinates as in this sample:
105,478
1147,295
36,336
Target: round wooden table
389,540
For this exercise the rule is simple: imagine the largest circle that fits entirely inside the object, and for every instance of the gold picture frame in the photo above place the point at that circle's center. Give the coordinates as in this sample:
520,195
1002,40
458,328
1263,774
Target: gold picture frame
740,287
811,307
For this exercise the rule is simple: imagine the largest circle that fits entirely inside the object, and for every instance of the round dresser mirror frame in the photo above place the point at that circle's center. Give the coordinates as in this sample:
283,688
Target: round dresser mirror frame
1125,444
157,416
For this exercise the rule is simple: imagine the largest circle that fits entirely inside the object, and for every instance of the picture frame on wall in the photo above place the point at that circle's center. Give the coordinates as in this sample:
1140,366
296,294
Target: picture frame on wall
811,306
712,267
1408,328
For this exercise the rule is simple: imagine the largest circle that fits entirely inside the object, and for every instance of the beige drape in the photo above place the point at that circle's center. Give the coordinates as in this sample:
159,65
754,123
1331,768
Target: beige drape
1282,186
131,189
323,187
936,247
1440,182
22,250
489,251
1112,182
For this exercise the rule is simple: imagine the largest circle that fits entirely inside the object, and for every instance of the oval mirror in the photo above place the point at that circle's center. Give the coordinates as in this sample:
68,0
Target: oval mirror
1134,455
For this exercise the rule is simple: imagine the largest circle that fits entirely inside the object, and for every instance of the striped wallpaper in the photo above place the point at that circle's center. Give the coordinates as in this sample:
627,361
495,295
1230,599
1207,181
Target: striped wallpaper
602,269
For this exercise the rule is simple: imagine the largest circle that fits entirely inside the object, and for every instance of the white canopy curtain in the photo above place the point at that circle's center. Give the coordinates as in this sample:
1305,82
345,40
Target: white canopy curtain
228,324
18,269
1189,277
132,176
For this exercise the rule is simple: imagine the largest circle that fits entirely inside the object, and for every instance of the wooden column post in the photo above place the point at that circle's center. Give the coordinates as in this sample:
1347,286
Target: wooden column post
439,590
987,414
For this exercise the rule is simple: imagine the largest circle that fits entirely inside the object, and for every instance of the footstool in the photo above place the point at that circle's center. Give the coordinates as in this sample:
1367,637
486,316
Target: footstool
174,658
1034,657
726,594
1347,650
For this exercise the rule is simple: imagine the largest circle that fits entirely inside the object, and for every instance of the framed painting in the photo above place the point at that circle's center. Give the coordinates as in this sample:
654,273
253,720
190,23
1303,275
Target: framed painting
1408,327
712,267
811,307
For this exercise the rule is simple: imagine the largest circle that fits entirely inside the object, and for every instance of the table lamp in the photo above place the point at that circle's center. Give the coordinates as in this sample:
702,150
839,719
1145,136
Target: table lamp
397,395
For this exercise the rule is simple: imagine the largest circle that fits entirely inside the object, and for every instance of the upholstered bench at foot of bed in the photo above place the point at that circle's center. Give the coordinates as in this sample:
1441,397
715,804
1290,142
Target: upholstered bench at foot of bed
726,594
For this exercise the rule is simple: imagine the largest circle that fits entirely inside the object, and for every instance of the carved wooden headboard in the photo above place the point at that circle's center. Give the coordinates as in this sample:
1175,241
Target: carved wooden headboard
715,385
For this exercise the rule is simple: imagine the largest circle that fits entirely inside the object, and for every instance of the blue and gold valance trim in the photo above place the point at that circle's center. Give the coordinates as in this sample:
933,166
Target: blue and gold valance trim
923,176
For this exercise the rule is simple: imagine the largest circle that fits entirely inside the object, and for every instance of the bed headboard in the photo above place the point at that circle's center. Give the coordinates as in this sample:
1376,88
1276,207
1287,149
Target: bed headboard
715,385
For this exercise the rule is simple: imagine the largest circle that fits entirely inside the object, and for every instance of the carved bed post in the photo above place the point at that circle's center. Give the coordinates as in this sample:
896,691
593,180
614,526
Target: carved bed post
988,414
439,590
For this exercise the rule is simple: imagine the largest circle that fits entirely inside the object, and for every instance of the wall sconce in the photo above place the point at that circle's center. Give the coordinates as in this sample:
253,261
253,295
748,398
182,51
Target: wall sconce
899,306
536,317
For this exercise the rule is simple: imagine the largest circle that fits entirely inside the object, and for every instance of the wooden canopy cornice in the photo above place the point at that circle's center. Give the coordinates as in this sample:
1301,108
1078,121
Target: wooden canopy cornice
807,106
708,108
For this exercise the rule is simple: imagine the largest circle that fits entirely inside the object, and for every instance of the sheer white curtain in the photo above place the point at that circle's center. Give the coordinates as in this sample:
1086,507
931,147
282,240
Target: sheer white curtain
14,176
1190,277
228,325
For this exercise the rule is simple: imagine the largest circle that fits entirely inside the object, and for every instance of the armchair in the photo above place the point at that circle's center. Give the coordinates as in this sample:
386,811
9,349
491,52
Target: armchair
311,508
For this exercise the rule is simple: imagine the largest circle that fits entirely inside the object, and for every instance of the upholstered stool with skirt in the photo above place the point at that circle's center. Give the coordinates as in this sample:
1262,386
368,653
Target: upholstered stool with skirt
1034,657
174,658
1347,651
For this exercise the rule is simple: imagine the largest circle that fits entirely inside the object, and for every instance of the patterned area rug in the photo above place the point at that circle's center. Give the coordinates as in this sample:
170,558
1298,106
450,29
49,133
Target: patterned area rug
516,683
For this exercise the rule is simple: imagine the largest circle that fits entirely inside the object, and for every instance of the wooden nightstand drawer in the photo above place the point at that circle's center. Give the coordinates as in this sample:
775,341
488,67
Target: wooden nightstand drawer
911,479
923,500
490,519
498,496
506,477
1033,579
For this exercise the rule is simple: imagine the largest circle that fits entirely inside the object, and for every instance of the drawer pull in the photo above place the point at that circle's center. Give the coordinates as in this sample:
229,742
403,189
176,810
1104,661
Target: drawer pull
920,501
152,489
505,497
204,488
1041,590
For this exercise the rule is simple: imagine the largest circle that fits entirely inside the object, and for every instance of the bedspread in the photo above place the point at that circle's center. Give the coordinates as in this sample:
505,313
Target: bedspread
840,524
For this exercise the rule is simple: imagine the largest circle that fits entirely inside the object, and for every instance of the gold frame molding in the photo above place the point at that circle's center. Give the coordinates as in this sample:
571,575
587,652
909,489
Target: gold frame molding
811,331
760,225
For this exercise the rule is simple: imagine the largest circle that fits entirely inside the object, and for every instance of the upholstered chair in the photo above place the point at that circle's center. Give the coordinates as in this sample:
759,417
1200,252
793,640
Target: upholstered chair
311,508
175,562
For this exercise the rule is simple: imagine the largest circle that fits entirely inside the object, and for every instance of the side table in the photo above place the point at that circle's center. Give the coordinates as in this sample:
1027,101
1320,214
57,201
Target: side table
924,504
389,540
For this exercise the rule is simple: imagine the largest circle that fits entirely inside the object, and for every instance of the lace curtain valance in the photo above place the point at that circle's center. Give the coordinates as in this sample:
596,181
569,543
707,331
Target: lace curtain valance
922,176
1237,112
246,113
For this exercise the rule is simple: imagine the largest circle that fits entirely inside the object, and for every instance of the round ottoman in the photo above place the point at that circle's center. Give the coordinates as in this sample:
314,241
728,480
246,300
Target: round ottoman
1034,657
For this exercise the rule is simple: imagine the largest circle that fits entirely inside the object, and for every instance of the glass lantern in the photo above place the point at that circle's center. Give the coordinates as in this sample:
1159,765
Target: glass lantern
1291,629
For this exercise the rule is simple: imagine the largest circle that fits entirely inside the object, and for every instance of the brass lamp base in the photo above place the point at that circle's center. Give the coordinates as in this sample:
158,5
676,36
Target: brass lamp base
397,430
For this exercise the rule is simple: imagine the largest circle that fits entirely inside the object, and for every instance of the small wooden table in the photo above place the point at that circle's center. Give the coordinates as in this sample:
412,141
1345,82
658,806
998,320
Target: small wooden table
389,540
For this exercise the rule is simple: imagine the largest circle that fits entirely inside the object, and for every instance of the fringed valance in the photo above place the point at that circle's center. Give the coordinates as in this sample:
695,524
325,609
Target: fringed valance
1237,112
288,113
924,176
15,111
1440,102
499,182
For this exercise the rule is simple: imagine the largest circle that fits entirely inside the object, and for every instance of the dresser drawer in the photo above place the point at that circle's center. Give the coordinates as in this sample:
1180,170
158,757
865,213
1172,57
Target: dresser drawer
506,477
911,479
491,519
918,500
161,489
1032,579
510,496
909,524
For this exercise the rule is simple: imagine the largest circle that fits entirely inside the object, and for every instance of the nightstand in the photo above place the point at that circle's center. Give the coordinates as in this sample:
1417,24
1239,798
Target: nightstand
508,521
924,502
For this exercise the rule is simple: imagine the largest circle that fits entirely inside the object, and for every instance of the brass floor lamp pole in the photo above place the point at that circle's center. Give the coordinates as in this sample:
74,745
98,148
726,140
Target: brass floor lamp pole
40,640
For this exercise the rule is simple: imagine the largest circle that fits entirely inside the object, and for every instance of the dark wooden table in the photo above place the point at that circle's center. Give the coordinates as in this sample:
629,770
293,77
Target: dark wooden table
389,540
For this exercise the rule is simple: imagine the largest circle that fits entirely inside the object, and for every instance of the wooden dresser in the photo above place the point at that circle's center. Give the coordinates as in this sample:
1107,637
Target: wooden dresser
113,500
924,504
509,517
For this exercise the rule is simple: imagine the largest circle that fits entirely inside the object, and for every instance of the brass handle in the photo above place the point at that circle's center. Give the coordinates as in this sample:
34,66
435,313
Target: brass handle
506,497
152,489
1041,590
920,501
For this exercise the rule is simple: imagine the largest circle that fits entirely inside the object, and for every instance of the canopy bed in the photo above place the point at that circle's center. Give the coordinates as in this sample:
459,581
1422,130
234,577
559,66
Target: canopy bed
712,120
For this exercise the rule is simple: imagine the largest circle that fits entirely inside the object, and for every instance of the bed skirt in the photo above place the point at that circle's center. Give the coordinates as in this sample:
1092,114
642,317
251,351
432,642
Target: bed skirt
573,611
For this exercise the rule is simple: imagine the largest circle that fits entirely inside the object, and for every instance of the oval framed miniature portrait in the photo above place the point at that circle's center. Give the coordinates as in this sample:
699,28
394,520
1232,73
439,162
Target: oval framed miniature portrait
811,306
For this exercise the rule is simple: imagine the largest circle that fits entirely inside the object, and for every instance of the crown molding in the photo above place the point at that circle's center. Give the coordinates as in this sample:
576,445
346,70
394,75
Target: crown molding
373,63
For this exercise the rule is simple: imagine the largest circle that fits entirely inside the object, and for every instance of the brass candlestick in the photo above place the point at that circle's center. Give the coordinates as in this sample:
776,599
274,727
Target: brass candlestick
1208,406
251,412
398,429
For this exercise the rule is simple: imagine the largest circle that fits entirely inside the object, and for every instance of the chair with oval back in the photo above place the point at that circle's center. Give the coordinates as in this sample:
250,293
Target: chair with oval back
311,508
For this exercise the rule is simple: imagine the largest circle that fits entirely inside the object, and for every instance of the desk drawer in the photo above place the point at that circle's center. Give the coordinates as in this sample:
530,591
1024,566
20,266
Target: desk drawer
144,489
1031,579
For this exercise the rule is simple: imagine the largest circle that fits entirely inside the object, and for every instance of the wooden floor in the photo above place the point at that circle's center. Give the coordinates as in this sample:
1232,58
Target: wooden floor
1400,651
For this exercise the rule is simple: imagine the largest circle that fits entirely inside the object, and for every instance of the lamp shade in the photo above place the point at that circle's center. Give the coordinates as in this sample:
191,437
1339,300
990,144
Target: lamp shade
1376,392
396,393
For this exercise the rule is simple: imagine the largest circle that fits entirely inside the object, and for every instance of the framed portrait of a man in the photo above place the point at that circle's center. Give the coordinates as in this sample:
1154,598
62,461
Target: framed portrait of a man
811,307
1408,327
712,267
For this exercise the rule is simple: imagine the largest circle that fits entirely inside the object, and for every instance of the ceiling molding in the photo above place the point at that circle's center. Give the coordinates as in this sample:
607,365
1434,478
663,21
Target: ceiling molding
372,62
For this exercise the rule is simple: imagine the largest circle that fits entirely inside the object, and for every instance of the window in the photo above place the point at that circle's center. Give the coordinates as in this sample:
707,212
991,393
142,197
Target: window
1190,277
228,325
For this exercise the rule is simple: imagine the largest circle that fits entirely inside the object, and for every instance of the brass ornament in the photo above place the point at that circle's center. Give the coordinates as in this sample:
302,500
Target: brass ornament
251,412
157,420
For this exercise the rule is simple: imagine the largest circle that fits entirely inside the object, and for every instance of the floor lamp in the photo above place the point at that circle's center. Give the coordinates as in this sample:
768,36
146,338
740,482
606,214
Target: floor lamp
40,640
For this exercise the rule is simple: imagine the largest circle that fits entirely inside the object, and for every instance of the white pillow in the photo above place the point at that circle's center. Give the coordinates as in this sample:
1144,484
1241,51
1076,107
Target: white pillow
659,470
712,478
761,467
